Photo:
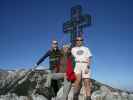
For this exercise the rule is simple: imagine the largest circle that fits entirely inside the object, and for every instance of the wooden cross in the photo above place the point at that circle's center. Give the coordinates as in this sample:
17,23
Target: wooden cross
75,25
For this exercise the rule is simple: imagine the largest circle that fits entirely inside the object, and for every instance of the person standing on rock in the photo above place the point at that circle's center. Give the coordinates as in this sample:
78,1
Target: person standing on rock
64,64
54,57
82,57
54,61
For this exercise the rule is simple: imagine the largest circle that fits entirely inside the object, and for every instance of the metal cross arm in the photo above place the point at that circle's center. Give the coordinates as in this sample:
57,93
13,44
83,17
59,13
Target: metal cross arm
77,22
68,27
85,21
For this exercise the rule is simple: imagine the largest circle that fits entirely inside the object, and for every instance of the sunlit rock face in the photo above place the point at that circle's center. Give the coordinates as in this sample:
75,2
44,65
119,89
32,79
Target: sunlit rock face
37,86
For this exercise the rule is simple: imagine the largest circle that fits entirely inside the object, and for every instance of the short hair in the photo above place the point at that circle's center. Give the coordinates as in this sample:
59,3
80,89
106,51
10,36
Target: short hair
79,37
54,41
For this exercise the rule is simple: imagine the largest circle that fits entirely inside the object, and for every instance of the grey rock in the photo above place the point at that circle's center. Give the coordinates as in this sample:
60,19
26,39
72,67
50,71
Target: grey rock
37,86
116,96
98,95
130,96
23,98
124,96
38,97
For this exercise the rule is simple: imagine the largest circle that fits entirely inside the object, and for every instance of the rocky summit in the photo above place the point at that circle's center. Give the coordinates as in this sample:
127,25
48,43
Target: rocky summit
37,85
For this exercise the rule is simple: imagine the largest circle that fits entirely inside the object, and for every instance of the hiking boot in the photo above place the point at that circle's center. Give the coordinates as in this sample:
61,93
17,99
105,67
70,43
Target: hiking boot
88,98
75,98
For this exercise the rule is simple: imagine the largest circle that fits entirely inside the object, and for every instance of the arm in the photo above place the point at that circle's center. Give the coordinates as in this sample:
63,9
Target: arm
43,57
89,61
89,57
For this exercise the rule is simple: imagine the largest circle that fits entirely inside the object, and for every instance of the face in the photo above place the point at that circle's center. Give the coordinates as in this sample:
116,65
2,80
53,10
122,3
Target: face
79,41
65,49
54,45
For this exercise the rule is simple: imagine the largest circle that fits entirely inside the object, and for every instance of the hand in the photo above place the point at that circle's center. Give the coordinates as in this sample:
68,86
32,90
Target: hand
86,71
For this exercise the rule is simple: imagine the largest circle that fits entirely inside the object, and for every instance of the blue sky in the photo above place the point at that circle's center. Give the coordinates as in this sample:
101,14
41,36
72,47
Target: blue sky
28,26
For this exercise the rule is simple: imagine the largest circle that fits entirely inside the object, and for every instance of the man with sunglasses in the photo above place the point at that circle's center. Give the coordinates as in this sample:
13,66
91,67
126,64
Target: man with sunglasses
54,57
82,56
54,62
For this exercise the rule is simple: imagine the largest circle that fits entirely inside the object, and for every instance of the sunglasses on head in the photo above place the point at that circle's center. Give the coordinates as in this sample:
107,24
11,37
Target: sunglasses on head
55,43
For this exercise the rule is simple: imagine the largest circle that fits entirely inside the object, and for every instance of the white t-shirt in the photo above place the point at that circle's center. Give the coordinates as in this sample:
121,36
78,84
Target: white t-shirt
81,53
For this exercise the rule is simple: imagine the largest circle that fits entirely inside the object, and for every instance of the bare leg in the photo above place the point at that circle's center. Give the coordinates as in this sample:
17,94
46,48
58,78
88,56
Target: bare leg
87,84
77,86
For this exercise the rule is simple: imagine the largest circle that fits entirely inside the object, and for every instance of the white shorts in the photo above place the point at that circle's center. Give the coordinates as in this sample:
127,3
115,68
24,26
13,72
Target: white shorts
83,70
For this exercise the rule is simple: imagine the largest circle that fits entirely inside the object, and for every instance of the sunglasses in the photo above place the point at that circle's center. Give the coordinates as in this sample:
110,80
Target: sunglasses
79,40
